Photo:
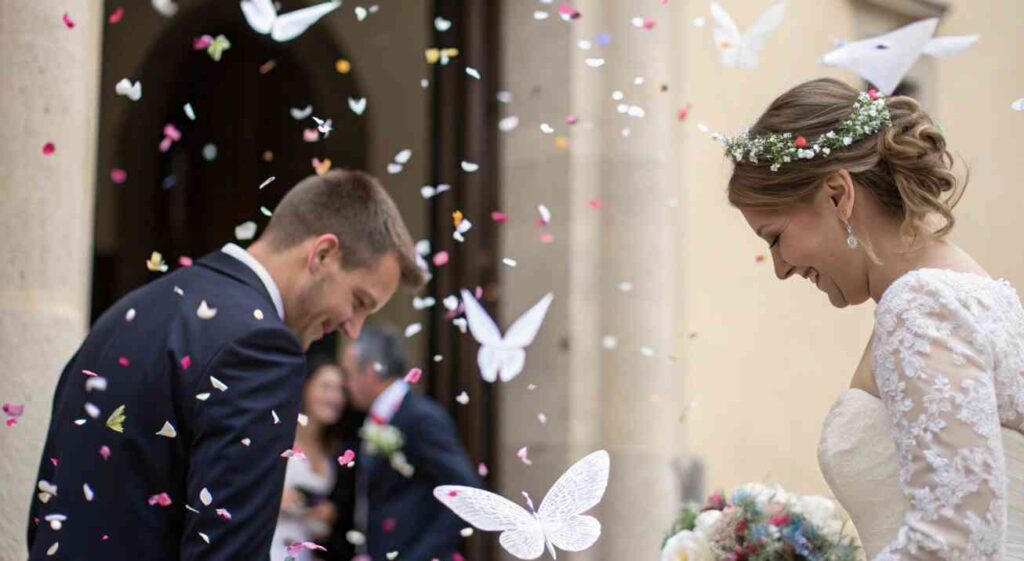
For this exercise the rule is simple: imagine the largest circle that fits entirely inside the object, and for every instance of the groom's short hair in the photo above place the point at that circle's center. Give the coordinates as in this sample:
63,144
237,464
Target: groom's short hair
355,207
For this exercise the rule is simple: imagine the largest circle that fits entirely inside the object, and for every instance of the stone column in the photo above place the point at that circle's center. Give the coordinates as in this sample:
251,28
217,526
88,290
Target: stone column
613,269
48,94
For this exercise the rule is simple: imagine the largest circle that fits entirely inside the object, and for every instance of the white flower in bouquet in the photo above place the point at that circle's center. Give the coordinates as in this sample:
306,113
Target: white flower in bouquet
687,546
821,512
706,521
764,494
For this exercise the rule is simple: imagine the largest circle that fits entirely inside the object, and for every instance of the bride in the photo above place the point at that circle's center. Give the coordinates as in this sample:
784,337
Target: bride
854,192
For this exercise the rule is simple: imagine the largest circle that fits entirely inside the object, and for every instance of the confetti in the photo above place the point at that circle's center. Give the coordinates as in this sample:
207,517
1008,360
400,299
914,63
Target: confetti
245,231
87,492
91,409
294,548
210,152
246,441
123,361
595,204
347,458
413,329
205,311
130,314
429,191
14,409
203,396
567,12
508,124
116,420
546,128
223,513
301,114
204,537
499,217
423,303
361,13
277,420
435,55
266,67
357,105
540,16
595,62
342,66
440,258
473,72
129,89
521,454
466,532
609,342
441,24
161,499
469,167
105,452
355,537
49,148
205,497
1018,105
68,22
413,376
166,8
321,167
156,263
263,18
481,469
388,525
258,314
509,262
53,549
167,430
186,362
542,418
115,16
310,135
462,398
303,419
217,384
267,181
118,176
391,555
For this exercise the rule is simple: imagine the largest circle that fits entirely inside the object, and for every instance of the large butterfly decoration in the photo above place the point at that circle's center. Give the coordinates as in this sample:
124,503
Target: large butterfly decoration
741,50
503,357
559,523
885,59
264,19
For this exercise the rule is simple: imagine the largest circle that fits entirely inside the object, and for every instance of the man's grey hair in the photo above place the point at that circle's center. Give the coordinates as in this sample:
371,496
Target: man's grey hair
383,350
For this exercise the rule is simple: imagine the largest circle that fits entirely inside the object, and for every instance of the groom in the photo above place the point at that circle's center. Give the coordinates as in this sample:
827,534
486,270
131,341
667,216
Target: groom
169,422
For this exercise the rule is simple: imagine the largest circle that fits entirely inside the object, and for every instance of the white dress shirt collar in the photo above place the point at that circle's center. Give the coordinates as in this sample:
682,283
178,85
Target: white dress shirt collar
244,256
388,402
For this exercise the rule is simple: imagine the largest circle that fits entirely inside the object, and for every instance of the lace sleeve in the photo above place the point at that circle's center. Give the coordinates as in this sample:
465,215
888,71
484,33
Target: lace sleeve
934,372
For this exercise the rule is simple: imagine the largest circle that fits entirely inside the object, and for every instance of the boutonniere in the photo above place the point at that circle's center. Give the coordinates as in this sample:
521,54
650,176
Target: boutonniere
386,440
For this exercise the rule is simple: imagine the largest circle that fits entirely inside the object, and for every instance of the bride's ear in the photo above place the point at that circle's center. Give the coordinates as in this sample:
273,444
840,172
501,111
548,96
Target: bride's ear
841,193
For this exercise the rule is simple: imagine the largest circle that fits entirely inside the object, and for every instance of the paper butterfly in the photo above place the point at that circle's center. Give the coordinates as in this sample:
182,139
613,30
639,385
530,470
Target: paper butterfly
559,522
263,18
503,357
741,51
885,59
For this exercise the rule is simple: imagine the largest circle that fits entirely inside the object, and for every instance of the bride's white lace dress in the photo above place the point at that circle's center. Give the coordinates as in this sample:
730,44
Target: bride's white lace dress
935,468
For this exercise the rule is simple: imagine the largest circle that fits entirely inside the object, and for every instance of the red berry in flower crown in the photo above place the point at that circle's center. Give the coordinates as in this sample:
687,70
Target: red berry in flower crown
800,142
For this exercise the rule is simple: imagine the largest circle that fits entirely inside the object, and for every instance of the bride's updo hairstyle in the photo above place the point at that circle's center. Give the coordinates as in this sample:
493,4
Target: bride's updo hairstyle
905,165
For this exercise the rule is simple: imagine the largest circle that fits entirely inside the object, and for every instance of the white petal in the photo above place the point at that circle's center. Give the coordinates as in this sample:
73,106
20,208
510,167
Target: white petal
205,497
218,384
167,430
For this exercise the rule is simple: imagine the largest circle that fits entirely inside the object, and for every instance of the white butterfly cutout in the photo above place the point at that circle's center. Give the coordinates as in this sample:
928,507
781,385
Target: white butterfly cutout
324,126
263,18
738,50
885,59
503,357
559,522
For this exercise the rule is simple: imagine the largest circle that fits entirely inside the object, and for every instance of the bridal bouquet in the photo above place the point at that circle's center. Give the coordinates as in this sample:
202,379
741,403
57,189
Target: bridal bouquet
760,523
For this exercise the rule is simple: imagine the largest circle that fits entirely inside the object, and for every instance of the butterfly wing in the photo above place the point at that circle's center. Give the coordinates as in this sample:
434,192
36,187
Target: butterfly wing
578,490
522,332
521,536
949,46
885,59
753,40
483,328
293,24
260,14
727,35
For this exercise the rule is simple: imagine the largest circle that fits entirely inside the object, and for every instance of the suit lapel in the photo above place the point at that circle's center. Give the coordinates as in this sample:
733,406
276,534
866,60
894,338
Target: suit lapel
231,267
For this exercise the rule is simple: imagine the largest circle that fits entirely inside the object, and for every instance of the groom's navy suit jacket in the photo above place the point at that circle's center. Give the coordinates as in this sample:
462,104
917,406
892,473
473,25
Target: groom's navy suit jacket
159,367
403,514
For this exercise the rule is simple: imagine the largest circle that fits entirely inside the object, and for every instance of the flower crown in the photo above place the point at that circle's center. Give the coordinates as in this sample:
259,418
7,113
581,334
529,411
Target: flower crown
869,115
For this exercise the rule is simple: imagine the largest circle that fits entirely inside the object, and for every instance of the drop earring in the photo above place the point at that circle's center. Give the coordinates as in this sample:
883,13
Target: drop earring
850,239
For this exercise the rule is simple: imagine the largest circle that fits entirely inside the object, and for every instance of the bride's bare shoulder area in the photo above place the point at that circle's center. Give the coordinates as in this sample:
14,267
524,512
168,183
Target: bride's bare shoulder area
864,377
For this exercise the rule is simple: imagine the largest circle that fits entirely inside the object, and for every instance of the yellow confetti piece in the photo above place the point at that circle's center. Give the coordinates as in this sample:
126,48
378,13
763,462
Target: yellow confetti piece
561,142
116,420
433,55
457,218
156,263
343,66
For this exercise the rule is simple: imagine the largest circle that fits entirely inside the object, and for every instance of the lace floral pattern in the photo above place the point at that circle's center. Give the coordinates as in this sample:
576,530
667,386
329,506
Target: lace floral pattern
949,362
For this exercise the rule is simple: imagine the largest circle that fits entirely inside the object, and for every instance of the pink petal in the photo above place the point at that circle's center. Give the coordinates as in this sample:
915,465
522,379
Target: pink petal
67,21
458,557
683,112
388,525
571,119
453,493
595,204
54,461
223,513
201,43
546,237
440,258
116,15
185,261
186,362
11,422
310,135
346,458
481,470
172,132
105,537
413,376
161,499
89,373
49,149
14,409
123,361
165,144
649,24
568,11
295,548
118,175
499,217
105,452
